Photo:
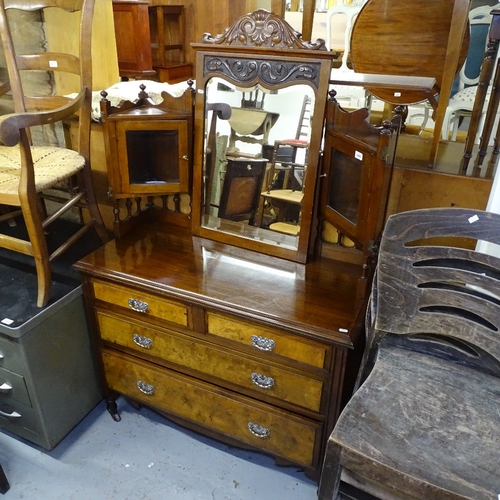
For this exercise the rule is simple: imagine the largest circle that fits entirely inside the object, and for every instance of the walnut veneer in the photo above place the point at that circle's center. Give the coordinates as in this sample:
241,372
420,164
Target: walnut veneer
243,347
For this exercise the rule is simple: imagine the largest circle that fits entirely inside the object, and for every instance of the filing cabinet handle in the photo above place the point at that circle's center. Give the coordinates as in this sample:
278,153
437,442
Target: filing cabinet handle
14,414
1,355
263,343
259,431
144,342
145,388
262,381
5,387
138,305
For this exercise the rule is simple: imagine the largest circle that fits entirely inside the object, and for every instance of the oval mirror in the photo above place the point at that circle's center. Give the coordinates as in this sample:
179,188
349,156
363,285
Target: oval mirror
261,94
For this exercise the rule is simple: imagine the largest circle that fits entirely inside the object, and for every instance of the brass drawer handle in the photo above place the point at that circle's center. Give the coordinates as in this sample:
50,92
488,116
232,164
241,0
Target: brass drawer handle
262,381
138,305
263,343
14,414
5,387
144,342
145,388
259,431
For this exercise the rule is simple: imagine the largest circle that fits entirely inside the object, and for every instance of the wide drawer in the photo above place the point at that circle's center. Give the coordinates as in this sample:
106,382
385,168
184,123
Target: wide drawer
265,339
143,303
256,424
273,380
13,386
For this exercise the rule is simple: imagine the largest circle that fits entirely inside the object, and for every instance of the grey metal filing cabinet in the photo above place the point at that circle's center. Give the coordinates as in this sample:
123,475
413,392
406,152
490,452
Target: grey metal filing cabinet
48,380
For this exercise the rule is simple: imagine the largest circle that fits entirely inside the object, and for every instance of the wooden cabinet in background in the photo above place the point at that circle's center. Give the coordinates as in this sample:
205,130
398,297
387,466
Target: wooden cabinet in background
168,43
131,18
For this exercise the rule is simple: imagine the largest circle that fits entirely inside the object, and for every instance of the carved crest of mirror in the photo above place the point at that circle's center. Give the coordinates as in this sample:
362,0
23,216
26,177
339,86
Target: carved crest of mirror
260,100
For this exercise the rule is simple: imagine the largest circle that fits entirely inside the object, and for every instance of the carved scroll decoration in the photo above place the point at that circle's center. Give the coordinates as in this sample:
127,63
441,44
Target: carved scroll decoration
269,72
263,29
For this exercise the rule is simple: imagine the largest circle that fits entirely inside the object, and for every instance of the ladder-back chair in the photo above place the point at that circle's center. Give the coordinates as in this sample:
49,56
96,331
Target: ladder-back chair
28,166
425,421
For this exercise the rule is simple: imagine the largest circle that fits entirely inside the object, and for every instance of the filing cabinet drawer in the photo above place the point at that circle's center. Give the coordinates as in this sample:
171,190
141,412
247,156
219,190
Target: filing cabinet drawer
238,417
15,416
143,303
11,356
267,340
272,380
13,386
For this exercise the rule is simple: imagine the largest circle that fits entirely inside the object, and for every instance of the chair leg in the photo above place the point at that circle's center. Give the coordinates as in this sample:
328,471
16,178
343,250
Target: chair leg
33,221
4,484
330,475
92,206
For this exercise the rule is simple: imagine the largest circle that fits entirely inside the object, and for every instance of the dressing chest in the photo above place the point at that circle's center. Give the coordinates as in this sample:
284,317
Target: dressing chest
239,331
249,350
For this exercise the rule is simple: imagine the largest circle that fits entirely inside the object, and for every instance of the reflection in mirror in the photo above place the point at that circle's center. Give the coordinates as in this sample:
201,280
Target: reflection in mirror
255,164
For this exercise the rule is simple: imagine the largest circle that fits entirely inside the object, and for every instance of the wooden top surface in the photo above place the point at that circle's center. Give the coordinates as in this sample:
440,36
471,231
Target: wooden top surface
404,38
316,300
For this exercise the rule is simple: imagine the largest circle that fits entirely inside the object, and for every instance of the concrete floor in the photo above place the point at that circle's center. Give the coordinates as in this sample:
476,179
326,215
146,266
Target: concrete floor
144,457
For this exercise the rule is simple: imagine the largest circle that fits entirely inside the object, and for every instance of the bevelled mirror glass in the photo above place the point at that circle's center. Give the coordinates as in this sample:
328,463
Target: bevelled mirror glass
261,95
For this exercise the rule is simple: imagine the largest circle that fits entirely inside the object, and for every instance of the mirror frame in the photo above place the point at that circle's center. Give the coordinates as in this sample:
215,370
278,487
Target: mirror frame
261,48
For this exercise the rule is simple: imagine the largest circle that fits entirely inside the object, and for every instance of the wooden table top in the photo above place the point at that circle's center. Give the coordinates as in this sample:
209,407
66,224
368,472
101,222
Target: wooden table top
316,300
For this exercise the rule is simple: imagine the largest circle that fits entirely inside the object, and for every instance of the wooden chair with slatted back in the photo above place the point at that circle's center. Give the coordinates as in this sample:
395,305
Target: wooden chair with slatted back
425,421
29,164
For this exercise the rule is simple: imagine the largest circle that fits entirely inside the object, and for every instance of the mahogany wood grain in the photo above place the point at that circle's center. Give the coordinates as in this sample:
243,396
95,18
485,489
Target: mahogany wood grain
317,300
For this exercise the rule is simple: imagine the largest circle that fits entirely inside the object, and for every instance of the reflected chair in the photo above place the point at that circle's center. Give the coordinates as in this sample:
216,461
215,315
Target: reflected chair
284,201
29,165
241,189
424,422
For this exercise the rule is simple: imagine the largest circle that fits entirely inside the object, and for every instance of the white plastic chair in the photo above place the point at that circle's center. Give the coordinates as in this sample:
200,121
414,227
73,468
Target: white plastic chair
461,103
355,96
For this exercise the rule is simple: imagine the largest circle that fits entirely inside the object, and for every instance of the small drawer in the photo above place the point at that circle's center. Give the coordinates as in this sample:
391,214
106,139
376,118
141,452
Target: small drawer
268,340
13,386
14,416
141,302
248,421
11,356
273,380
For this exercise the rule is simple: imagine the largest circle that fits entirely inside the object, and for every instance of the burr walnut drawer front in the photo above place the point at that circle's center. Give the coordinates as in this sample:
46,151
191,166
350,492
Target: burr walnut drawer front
143,303
238,417
294,386
264,339
13,386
